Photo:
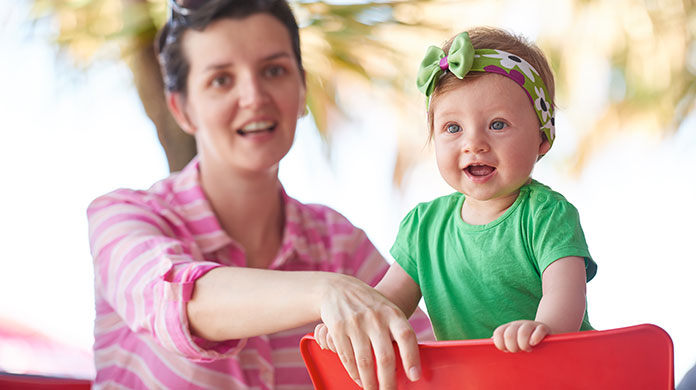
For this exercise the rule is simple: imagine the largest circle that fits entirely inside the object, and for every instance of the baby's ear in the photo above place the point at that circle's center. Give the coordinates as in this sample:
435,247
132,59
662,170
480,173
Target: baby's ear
544,146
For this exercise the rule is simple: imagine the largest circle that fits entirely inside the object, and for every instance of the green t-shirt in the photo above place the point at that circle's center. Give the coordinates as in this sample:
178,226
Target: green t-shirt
475,278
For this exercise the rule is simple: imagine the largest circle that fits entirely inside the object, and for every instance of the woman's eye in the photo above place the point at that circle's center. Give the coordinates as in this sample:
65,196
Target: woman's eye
453,128
220,81
498,125
274,71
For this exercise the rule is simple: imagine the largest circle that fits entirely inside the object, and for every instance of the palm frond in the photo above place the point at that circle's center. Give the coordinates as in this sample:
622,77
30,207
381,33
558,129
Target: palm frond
646,48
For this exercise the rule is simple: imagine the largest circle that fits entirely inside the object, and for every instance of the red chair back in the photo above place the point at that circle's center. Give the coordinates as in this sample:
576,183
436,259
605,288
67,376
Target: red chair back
636,357
34,382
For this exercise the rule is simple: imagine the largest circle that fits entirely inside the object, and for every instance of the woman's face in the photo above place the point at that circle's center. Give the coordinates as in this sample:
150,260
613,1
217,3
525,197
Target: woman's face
244,92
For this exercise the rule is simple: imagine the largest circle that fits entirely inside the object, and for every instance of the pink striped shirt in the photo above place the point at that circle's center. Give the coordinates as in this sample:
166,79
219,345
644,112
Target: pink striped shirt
149,247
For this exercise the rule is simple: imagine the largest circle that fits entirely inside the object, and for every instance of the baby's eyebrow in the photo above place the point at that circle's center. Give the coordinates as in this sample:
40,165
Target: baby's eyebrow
449,114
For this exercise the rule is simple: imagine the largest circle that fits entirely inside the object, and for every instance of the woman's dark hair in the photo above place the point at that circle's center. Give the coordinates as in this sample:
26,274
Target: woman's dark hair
168,45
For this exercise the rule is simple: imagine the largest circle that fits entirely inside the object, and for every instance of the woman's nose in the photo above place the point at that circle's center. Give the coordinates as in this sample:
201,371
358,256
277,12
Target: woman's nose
252,91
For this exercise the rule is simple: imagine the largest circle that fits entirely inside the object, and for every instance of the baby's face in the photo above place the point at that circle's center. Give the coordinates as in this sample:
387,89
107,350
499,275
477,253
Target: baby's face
486,137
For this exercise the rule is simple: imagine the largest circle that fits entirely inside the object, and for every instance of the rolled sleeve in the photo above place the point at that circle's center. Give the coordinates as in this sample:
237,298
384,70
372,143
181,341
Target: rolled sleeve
172,325
147,274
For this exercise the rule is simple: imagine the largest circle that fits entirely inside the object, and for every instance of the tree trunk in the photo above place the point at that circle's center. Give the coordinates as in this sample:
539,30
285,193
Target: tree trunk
179,146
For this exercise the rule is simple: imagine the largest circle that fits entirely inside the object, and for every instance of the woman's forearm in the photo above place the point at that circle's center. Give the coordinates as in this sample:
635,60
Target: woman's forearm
234,302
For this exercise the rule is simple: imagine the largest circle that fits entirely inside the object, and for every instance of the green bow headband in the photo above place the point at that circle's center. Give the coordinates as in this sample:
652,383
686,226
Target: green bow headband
462,58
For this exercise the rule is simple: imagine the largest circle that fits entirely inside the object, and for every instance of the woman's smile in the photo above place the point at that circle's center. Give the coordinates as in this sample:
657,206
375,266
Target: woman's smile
257,127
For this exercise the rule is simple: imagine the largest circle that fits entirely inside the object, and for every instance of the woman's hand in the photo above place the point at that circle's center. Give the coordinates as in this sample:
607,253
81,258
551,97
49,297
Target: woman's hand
359,320
519,335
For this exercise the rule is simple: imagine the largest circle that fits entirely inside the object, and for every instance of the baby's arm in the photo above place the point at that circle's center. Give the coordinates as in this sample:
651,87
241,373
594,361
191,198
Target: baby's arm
400,288
561,309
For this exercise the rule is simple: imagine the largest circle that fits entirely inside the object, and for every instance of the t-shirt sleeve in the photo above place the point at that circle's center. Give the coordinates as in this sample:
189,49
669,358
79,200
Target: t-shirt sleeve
146,274
405,245
557,233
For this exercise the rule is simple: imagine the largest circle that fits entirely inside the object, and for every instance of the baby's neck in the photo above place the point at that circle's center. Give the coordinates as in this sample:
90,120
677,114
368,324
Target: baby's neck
481,212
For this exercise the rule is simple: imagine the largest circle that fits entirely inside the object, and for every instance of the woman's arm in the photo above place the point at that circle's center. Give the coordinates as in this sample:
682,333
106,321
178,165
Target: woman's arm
234,302
561,309
359,317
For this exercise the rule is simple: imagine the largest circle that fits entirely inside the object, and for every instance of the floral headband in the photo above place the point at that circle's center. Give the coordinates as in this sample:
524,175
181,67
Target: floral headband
462,58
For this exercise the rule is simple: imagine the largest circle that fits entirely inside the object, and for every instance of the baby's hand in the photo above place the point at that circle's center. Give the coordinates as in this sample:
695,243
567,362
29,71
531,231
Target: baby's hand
321,335
519,335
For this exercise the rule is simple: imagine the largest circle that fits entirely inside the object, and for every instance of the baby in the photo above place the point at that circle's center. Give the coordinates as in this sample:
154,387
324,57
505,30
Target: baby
504,256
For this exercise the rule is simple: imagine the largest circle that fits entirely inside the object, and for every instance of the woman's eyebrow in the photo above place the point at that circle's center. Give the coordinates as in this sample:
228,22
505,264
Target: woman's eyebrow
223,65
218,66
276,55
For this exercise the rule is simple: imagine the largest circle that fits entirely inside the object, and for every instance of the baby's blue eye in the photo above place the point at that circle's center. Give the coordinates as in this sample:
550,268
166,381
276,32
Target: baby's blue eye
498,125
453,128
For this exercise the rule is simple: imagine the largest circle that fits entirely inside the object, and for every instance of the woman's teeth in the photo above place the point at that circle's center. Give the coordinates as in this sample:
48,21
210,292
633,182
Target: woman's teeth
256,127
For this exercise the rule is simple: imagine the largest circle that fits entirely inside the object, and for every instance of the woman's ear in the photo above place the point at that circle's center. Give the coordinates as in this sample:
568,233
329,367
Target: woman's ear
177,106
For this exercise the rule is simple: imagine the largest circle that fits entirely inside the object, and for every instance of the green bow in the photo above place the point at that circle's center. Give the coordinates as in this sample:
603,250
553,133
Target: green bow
459,59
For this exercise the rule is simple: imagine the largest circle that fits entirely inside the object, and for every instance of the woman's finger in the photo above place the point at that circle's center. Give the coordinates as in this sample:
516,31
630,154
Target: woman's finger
330,343
364,360
407,342
344,348
385,360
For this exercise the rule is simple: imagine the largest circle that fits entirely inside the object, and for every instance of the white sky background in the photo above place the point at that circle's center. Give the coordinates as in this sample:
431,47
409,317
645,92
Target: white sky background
67,137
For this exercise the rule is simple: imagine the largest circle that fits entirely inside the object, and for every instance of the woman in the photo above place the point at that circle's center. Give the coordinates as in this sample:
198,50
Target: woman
192,280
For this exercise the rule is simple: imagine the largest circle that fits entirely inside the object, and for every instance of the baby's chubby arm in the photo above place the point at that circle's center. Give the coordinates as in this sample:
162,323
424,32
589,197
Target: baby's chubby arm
404,292
400,288
561,309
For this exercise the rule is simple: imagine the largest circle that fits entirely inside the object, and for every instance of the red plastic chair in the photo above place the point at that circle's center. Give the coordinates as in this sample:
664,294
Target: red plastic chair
636,357
35,382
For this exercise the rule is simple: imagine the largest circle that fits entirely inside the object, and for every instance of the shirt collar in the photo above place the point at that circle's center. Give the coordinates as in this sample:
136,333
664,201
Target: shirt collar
198,215
210,236
294,245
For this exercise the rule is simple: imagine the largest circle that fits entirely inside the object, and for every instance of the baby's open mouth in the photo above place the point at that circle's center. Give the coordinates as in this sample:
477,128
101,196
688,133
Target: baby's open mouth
479,169
257,127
